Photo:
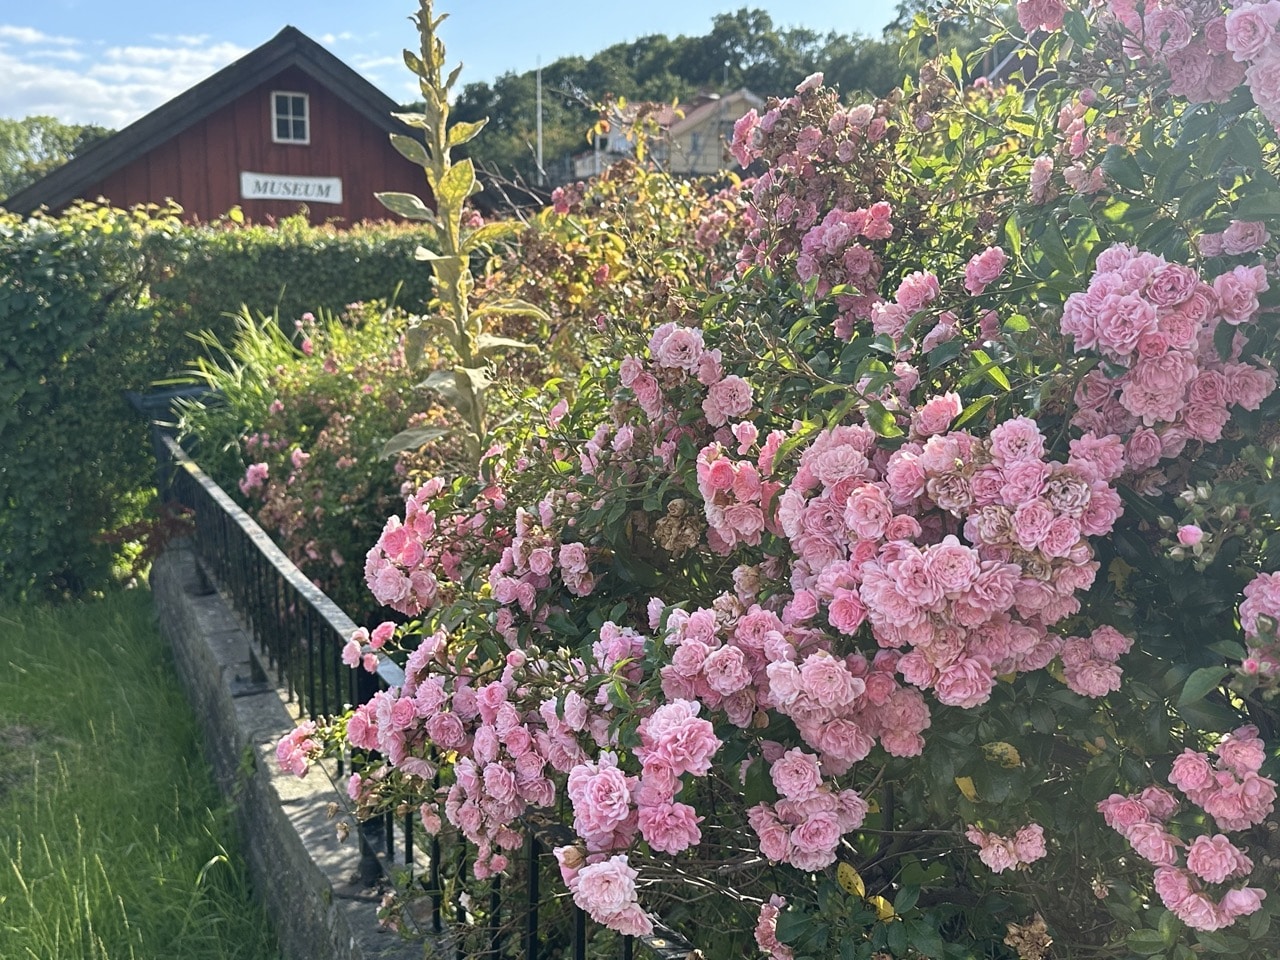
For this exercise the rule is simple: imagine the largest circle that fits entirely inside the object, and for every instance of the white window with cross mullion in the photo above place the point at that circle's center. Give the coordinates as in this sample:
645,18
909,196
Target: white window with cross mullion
290,117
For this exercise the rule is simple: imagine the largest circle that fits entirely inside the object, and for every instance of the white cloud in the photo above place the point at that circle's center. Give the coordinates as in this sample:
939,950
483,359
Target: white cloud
113,88
29,35
186,39
367,63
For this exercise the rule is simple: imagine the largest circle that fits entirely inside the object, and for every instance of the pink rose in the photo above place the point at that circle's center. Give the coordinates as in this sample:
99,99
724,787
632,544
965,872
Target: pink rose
1189,534
1244,236
670,827
1250,30
983,268
1216,858
1152,842
796,775
936,414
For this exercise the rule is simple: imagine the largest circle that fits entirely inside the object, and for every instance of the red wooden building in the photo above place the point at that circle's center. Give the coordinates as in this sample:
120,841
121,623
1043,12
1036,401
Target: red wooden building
286,127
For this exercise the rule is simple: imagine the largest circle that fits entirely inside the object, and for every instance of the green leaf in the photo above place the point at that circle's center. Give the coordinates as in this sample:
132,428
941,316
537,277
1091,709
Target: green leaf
906,899
509,308
464,132
488,343
1221,942
1055,248
1200,683
990,369
406,205
1077,28
458,183
1264,206
1120,167
422,253
881,420
897,938
491,233
410,149
1145,942
791,925
413,439
1197,199
419,120
1169,175
972,410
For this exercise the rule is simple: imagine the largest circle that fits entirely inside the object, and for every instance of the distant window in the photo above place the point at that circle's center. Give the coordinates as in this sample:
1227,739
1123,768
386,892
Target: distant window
290,117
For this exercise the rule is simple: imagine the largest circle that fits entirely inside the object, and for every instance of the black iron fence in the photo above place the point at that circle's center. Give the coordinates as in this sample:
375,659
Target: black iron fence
300,632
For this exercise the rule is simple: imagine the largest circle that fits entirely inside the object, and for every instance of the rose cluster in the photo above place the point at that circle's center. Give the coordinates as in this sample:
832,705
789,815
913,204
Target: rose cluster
1235,795
822,195
875,536
1156,321
1261,600
1001,853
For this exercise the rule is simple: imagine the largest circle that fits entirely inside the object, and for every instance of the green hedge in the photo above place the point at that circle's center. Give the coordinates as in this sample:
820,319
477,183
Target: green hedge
96,301
201,274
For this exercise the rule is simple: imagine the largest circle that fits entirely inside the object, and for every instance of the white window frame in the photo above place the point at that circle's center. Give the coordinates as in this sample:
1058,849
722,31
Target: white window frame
277,116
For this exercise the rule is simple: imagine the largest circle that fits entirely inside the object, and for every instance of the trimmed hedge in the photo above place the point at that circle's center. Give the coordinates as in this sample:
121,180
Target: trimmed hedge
98,300
201,274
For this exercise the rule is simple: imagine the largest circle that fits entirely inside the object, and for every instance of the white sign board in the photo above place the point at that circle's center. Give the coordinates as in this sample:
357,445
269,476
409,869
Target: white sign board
277,186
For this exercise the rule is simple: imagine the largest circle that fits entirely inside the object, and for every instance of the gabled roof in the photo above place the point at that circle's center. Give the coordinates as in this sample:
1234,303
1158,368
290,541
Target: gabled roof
712,106
288,48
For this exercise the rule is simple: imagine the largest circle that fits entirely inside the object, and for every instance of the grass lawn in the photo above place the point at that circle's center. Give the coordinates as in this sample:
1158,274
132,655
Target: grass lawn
114,841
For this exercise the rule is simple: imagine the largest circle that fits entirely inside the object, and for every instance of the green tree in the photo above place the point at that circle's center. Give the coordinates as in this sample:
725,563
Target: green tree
32,147
742,49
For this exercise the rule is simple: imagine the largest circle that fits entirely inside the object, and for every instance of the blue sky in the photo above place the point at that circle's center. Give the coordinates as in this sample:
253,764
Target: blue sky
110,61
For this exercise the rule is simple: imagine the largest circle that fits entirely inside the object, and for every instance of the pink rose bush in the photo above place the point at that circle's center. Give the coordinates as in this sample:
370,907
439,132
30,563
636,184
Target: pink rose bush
1157,322
1188,873
910,545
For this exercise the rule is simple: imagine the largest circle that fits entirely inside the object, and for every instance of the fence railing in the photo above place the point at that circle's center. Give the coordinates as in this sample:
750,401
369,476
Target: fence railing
300,633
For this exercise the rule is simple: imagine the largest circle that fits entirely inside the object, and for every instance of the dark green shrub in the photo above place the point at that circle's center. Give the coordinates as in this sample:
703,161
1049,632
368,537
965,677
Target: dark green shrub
96,301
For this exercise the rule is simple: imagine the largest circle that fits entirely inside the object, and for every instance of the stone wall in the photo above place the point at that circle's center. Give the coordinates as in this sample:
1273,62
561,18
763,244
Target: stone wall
307,878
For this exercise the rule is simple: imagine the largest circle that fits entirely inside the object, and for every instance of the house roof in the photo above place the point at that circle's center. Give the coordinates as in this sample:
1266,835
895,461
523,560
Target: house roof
711,107
288,48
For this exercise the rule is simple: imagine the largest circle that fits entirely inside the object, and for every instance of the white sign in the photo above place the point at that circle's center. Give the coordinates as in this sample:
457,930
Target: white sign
276,186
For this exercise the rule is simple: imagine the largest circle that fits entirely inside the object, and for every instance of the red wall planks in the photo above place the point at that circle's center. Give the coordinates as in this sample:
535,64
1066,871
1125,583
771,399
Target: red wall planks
200,166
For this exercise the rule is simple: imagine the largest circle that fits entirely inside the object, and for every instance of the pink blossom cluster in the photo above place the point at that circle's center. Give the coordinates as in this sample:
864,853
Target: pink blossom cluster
605,888
255,478
609,807
805,832
1002,853
1240,237
915,292
1089,663
506,752
738,504
1041,14
296,749
876,540
984,268
766,931
807,204
399,569
1261,599
1157,320
414,556
535,558
1237,797
677,354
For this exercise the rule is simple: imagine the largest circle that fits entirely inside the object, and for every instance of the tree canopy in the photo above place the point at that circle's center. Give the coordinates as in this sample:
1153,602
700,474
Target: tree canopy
33,146
743,49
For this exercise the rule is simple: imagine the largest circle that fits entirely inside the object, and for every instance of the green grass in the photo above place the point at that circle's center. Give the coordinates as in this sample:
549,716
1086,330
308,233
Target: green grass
114,841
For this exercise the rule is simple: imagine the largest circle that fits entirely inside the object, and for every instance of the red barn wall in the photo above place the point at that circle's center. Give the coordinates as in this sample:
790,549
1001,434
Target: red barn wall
200,167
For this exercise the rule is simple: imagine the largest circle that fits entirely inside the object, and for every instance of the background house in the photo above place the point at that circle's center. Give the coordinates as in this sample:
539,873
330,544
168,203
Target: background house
288,126
694,144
